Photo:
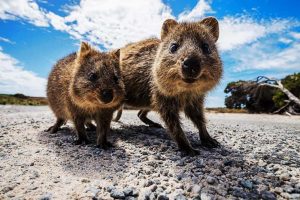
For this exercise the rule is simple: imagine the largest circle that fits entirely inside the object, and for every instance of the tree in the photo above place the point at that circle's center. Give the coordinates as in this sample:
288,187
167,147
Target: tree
265,95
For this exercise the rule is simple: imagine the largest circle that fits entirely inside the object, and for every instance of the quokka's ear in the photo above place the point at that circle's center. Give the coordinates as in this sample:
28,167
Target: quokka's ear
167,26
116,53
84,49
213,25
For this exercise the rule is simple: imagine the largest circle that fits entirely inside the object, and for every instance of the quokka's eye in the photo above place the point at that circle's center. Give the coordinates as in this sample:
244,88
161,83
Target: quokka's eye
93,77
173,47
205,48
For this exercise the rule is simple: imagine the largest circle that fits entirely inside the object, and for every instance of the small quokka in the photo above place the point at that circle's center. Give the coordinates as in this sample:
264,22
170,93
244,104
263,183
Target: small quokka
86,86
174,74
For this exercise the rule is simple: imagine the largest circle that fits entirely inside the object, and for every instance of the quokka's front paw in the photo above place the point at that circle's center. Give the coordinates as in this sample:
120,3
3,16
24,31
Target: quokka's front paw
190,151
105,145
82,141
210,143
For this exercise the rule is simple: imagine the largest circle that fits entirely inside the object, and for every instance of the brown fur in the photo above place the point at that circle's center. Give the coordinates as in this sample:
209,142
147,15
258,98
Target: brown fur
154,77
75,90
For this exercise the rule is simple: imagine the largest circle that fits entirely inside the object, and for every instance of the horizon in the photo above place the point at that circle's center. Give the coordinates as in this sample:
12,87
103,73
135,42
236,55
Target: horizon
256,37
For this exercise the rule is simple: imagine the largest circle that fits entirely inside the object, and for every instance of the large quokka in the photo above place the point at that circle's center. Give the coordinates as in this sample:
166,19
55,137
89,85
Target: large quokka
86,86
174,74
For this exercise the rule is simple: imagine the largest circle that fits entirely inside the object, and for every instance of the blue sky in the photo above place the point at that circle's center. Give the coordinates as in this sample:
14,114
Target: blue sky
257,37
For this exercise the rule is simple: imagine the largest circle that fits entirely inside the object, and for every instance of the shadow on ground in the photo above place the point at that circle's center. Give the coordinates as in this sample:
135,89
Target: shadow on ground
141,151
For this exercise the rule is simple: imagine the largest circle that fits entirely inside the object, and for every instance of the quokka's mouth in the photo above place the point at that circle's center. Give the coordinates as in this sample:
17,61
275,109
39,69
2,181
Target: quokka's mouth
189,80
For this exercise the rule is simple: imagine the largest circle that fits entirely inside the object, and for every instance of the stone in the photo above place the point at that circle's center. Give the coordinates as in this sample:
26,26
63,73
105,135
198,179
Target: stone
211,180
117,194
267,195
110,188
162,196
128,191
148,183
238,192
196,190
247,184
285,177
46,196
206,196
179,197
278,190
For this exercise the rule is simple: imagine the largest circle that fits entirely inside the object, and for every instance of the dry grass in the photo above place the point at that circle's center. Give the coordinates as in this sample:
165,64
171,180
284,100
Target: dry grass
20,99
225,110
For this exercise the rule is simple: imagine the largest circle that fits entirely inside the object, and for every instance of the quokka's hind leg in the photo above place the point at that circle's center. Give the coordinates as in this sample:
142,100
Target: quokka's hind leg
119,114
90,126
142,114
53,129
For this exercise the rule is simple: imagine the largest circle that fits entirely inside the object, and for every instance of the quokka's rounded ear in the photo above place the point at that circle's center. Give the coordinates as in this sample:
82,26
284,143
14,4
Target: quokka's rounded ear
116,53
84,49
167,26
213,25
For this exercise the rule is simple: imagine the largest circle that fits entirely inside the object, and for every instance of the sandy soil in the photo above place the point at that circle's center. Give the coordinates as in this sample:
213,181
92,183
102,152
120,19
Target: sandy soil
259,158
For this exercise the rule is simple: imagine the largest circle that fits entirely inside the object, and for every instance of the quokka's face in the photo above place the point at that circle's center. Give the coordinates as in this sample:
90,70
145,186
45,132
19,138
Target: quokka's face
98,82
188,58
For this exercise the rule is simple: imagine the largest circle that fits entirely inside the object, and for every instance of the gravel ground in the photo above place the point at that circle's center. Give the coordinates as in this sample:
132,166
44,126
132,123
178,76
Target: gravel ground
259,159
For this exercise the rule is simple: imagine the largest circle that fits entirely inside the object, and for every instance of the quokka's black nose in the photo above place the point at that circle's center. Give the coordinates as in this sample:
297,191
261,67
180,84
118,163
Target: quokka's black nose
191,67
106,95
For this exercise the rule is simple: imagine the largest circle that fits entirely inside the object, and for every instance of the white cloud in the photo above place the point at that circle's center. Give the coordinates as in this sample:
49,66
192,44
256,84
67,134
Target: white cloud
27,10
268,56
295,35
238,31
14,79
2,39
116,23
202,8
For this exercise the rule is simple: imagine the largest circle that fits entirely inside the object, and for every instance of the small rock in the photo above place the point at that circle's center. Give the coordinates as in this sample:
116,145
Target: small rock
130,198
285,177
153,188
179,176
179,197
128,191
295,196
297,186
228,162
288,189
46,196
162,196
135,192
110,188
211,180
181,163
247,184
205,196
145,194
196,190
217,172
200,163
85,180
266,195
261,163
117,194
278,190
7,189
148,183
238,192
34,175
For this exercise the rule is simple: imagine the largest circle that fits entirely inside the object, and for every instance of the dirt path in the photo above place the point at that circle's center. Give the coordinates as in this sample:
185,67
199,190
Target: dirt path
259,158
